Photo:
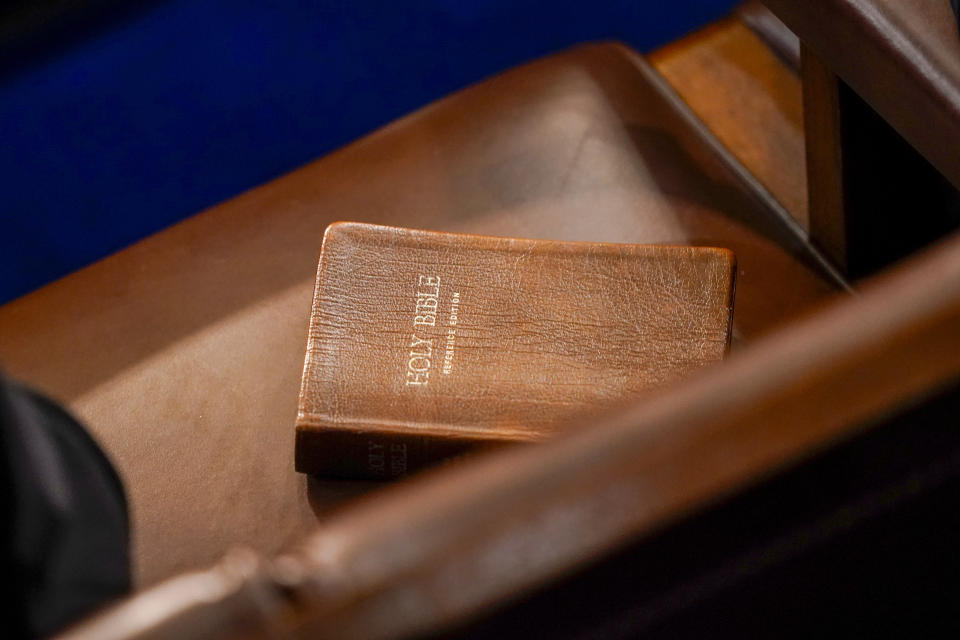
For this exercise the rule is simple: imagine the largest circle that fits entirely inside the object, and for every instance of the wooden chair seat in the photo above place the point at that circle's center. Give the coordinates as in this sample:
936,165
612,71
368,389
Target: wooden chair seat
183,352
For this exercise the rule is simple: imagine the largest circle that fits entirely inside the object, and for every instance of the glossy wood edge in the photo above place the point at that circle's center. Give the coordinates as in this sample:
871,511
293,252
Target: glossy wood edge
771,30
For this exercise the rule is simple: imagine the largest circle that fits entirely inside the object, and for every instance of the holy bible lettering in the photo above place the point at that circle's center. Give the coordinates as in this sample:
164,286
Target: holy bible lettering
418,365
425,315
427,291
456,342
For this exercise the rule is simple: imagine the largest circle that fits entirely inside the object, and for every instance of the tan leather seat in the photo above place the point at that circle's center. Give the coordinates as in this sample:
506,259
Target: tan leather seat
183,352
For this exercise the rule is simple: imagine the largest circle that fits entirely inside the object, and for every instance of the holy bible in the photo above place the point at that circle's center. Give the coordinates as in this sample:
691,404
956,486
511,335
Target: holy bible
424,345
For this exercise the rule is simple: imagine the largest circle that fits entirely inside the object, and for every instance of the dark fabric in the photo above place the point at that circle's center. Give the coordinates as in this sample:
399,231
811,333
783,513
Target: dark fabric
956,9
65,539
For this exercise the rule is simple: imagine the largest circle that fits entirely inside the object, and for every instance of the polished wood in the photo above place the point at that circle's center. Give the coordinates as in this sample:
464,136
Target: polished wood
750,99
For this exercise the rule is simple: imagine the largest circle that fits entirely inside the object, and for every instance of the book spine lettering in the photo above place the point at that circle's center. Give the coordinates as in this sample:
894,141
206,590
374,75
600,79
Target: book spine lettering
373,455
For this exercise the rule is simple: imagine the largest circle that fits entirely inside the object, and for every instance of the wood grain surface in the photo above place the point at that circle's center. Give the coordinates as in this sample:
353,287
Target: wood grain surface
750,99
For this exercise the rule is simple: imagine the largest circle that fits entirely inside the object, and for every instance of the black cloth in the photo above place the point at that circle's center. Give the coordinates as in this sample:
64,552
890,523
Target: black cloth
66,534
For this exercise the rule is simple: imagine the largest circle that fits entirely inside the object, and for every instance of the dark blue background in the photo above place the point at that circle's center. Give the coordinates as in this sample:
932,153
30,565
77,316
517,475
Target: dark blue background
152,117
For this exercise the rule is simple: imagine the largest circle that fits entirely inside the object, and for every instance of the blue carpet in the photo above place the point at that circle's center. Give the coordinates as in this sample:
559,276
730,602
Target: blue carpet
186,103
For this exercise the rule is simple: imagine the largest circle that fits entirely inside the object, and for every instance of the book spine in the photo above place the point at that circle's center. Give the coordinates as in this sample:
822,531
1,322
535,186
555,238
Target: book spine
375,455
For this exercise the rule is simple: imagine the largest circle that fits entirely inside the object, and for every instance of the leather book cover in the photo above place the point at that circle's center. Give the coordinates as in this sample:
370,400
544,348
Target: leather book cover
423,345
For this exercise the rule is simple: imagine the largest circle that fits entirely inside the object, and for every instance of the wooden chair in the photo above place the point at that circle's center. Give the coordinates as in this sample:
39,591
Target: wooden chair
804,472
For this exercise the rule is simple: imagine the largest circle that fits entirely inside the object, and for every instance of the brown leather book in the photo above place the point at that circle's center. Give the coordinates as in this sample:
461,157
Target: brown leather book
424,345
